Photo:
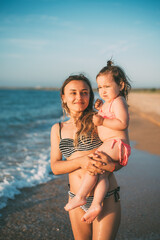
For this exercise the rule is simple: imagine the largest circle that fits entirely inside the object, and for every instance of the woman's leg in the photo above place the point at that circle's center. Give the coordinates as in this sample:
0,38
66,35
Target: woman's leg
87,185
99,193
81,231
106,225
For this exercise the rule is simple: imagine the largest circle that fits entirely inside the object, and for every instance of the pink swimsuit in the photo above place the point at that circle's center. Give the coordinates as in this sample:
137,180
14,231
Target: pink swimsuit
124,148
107,114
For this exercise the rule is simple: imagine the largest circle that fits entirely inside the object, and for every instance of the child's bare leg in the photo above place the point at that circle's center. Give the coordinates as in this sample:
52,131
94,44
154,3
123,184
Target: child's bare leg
96,207
80,199
103,183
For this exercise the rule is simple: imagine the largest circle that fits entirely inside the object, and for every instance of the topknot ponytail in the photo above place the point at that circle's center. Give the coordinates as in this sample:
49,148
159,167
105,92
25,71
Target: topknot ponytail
109,63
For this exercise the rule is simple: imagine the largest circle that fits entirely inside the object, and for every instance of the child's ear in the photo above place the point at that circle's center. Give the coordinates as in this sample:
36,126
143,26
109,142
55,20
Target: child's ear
121,86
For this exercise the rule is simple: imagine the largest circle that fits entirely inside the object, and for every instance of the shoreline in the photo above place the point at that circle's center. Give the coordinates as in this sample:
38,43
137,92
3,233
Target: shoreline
37,212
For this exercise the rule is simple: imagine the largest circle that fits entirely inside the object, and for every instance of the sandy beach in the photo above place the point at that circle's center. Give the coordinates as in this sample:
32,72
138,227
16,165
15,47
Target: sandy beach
145,120
38,213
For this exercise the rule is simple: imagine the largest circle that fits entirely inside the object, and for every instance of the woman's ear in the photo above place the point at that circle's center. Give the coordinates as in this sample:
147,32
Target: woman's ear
63,98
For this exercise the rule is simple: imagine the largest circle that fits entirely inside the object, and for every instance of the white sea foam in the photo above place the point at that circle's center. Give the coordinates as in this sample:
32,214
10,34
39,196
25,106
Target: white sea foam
27,174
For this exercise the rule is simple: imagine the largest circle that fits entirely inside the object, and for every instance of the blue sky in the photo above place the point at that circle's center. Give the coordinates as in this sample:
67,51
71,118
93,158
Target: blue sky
44,41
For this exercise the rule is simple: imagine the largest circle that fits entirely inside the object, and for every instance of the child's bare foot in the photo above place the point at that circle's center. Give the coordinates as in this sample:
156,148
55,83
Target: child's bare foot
92,213
75,202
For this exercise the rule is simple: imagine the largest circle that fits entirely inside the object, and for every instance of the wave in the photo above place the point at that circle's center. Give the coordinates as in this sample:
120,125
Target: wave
25,160
27,174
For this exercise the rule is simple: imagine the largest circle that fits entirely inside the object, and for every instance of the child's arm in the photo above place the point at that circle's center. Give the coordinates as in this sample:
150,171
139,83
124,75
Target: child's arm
121,120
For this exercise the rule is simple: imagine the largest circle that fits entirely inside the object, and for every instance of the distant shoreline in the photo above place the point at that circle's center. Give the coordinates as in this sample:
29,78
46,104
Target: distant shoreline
157,90
30,88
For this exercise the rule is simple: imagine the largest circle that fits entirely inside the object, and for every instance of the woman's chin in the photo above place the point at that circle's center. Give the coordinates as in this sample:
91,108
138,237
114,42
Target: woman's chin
78,110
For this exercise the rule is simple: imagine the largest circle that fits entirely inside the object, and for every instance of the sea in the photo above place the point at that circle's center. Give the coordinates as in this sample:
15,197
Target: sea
26,118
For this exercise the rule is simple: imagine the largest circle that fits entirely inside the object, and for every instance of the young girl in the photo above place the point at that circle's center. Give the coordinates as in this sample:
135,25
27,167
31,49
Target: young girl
112,121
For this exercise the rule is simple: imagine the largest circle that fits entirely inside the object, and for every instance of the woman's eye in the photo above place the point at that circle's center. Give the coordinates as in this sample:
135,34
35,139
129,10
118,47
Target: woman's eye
85,93
82,93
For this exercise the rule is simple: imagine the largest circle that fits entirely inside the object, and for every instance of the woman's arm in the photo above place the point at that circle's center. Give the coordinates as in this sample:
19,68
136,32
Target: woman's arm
59,166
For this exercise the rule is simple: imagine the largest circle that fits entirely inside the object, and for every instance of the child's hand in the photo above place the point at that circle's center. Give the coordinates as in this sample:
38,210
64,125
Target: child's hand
97,120
98,104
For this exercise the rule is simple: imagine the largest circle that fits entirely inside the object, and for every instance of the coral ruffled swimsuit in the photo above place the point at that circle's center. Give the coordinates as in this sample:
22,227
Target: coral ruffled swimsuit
124,148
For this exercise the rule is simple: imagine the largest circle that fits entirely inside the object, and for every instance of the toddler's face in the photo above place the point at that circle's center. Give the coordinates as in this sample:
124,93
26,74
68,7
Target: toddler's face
108,88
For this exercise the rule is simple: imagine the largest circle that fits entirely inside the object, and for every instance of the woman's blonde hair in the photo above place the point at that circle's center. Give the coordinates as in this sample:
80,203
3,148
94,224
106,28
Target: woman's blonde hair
85,119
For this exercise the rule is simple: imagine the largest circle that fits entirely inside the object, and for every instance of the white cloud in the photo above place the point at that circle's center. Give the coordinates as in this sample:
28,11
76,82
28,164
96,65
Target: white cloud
38,19
28,43
11,56
116,48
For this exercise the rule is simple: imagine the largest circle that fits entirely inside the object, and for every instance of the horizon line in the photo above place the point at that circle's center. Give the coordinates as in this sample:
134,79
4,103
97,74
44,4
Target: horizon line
153,89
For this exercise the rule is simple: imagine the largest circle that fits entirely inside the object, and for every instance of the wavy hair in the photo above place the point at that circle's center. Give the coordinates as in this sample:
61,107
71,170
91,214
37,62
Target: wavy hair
85,119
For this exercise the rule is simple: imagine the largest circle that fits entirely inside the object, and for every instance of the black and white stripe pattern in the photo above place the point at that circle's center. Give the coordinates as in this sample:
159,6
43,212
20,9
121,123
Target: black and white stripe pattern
89,199
67,147
86,206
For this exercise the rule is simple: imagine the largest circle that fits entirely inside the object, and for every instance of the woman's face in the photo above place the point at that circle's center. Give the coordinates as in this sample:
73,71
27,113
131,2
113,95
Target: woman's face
76,96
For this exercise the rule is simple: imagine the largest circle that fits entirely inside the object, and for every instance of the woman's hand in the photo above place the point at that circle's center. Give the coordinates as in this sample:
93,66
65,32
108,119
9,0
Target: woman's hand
104,162
92,166
97,120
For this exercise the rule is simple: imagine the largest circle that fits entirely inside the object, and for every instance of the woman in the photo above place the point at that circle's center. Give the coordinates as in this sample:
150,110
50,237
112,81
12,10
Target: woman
76,139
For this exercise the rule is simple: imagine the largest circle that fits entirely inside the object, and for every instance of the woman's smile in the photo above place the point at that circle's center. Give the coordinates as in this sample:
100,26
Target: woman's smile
79,103
76,96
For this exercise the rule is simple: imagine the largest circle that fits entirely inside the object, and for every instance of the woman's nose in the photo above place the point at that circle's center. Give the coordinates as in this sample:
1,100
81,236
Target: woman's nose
79,95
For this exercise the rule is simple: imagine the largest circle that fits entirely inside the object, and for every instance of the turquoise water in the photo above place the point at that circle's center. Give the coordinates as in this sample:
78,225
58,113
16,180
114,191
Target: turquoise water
26,117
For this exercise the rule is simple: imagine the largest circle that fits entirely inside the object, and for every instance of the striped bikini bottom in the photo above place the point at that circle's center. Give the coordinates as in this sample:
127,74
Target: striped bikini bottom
89,199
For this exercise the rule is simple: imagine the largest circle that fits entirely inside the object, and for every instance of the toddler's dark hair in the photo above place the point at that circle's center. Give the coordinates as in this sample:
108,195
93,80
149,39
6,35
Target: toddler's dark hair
119,77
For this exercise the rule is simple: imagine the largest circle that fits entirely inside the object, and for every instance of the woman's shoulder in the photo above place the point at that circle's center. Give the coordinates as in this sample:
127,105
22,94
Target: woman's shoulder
55,128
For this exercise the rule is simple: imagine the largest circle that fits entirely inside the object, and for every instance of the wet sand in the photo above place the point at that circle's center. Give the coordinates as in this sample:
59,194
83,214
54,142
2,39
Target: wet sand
37,213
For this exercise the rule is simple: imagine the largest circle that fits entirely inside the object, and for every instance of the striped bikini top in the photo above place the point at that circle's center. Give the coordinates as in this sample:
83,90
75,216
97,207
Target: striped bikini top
67,146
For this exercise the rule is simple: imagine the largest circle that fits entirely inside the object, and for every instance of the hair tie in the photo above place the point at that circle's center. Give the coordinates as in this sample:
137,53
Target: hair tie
109,63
